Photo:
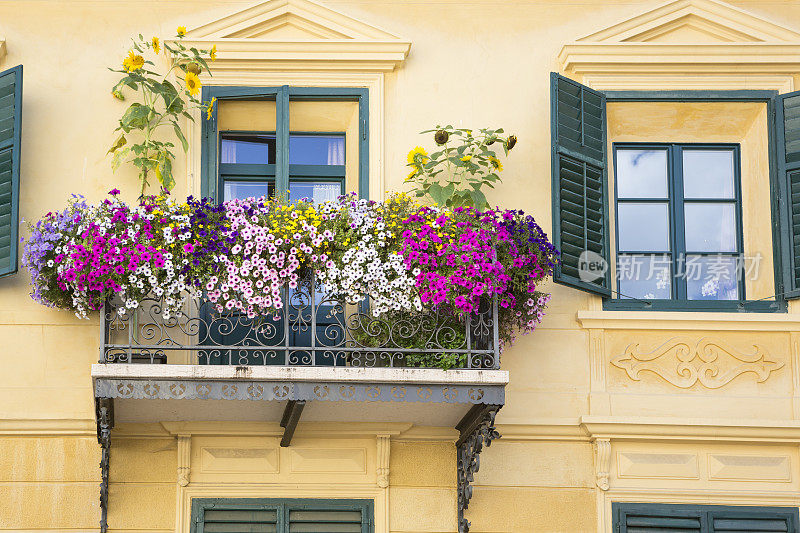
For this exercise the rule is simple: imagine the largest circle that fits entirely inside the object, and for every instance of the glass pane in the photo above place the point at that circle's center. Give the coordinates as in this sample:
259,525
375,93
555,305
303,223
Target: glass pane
711,277
317,191
643,227
316,149
248,149
644,276
239,190
642,173
710,227
708,174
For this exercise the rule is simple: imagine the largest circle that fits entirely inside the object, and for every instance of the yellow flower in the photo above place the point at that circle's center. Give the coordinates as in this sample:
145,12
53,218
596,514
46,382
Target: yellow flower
496,163
210,109
132,62
213,53
412,173
193,83
466,158
181,31
156,45
417,153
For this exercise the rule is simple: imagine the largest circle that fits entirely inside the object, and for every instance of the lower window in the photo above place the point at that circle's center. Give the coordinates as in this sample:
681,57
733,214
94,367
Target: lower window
652,518
256,515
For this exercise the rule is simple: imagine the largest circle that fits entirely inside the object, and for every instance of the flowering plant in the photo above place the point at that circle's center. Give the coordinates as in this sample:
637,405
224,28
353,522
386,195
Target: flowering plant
455,175
163,103
407,260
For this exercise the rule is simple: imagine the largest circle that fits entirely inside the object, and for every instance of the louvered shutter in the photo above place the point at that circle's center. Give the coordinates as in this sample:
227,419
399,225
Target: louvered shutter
10,132
580,185
281,516
240,521
787,122
753,520
644,518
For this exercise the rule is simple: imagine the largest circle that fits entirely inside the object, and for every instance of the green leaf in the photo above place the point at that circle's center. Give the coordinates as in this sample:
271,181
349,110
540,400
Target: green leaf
117,145
179,135
436,193
478,199
137,116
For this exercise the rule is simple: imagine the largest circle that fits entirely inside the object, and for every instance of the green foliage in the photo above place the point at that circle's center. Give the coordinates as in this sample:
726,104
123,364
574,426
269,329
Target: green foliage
455,175
162,105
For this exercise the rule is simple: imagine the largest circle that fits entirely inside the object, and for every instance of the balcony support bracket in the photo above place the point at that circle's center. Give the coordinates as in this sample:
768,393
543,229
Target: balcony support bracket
291,416
475,429
104,413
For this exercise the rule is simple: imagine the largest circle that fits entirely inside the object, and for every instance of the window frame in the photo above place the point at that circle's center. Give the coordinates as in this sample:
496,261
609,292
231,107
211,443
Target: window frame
703,512
779,304
211,174
675,208
282,506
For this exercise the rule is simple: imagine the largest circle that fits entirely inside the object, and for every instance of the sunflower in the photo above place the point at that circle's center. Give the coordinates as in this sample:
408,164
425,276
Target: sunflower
156,45
417,155
132,62
210,108
496,163
181,31
192,83
466,158
213,53
412,174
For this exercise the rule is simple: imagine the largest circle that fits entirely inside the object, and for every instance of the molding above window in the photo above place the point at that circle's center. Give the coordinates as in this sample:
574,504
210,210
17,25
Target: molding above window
291,35
687,44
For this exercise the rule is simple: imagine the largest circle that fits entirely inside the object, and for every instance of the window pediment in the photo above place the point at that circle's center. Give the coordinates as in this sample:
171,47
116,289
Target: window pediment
687,44
298,35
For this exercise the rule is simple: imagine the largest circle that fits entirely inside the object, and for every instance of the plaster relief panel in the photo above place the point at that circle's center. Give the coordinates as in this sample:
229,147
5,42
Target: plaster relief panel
658,465
236,460
708,362
749,467
328,460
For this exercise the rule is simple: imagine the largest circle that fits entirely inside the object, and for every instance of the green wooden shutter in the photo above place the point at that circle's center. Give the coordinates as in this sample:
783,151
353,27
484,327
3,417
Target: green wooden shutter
580,185
676,518
787,127
267,515
10,132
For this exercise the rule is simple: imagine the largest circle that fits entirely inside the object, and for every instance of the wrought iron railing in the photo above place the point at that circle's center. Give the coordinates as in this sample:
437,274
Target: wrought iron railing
313,329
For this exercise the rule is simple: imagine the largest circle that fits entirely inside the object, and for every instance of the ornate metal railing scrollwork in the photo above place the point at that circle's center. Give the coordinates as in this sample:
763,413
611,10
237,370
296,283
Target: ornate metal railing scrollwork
104,412
314,328
476,429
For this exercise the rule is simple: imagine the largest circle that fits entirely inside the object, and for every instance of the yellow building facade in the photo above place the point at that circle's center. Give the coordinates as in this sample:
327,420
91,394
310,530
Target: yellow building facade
612,409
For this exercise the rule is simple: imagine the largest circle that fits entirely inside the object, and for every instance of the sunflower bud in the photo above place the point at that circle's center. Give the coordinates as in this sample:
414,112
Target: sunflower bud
118,94
194,68
441,137
512,142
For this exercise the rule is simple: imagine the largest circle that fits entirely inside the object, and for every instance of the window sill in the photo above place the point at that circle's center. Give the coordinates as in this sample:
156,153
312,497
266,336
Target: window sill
693,320
756,306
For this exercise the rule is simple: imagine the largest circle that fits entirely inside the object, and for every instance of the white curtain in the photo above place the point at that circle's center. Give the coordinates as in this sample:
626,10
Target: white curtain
336,151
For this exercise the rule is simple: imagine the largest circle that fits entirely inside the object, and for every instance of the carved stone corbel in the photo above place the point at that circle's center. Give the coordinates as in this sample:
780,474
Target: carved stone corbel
384,449
602,462
184,459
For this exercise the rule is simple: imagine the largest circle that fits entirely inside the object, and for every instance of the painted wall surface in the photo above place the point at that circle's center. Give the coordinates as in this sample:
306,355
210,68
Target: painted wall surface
581,427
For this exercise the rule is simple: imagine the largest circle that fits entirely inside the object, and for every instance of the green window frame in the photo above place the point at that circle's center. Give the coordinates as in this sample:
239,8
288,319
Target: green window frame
656,517
281,515
214,174
675,201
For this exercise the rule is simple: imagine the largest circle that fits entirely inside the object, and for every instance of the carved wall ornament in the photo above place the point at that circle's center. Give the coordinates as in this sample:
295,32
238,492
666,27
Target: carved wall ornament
602,462
683,362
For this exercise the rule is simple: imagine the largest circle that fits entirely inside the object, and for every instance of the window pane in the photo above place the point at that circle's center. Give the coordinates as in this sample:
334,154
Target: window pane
711,277
710,227
642,173
708,174
643,227
644,276
239,190
317,191
248,149
316,149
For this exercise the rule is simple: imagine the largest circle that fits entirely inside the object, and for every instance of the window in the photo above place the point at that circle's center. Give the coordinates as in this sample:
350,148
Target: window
652,518
678,222
297,142
10,135
677,208
210,515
